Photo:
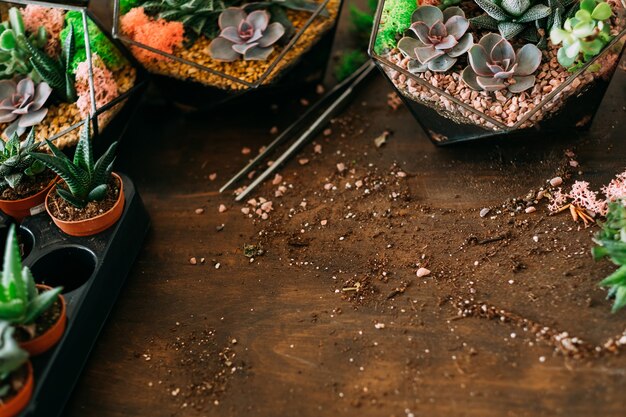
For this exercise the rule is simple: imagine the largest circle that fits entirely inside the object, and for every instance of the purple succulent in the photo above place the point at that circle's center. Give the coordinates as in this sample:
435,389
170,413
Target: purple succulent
248,35
436,39
494,65
22,104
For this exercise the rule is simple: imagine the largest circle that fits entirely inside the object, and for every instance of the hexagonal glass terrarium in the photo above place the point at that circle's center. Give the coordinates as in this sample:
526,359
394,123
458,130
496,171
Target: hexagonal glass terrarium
230,47
460,89
58,67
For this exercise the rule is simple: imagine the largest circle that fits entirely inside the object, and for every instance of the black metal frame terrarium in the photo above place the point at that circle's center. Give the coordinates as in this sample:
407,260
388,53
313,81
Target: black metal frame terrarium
187,76
448,114
104,76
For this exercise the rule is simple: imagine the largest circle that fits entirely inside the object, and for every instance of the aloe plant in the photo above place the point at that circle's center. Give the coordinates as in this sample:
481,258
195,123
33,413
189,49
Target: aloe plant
15,162
57,73
14,56
12,357
86,179
584,35
611,243
20,301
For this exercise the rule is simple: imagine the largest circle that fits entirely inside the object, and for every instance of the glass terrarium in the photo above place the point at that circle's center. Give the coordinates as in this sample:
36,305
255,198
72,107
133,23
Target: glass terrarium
450,110
58,68
229,47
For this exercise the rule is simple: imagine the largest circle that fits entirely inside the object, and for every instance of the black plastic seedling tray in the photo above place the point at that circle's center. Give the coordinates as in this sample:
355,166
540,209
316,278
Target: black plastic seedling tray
92,271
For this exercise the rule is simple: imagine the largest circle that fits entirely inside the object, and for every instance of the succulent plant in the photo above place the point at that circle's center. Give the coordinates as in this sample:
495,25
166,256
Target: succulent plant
512,17
14,57
12,357
494,65
440,39
15,163
248,35
20,301
85,179
57,73
197,15
584,35
22,104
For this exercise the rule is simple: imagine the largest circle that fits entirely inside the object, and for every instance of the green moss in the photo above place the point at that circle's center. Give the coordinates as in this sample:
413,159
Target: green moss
396,18
126,5
350,61
100,44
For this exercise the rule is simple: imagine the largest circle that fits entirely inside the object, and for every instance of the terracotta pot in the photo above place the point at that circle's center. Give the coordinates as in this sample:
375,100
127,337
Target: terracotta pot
19,209
44,342
16,404
94,225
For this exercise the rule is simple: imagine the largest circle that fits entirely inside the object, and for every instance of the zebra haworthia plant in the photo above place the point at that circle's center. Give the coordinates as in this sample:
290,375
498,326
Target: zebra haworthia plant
15,162
85,179
512,17
436,39
494,65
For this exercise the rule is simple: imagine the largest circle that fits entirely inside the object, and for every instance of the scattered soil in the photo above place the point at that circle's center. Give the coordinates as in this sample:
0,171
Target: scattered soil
248,71
196,369
43,323
28,187
62,210
18,380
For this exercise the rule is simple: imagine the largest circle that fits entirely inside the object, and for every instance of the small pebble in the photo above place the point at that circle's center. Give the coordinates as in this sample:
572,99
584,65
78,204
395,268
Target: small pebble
213,176
530,209
199,210
341,167
277,179
222,208
556,181
324,222
193,261
246,151
317,148
484,212
303,161
422,272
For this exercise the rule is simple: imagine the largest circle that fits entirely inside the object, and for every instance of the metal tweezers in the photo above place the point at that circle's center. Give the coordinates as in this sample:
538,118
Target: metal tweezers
329,105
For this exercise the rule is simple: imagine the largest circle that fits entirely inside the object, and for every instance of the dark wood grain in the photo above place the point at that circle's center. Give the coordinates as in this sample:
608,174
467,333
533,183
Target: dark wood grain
301,356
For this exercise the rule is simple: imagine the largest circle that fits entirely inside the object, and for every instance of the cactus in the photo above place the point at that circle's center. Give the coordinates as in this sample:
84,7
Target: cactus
86,180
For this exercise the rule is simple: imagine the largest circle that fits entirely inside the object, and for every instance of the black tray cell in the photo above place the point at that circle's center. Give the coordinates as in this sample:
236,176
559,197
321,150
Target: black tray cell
68,266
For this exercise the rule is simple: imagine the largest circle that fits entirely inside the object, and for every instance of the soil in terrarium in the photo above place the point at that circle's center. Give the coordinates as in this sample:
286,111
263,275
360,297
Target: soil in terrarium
215,42
55,86
521,100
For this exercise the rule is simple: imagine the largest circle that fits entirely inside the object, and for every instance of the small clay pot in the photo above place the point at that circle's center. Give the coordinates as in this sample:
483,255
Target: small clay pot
15,405
19,209
95,225
46,341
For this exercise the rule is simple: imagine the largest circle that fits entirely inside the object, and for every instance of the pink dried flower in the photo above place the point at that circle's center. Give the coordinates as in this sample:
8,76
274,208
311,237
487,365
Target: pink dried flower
616,189
581,196
105,86
558,200
158,34
52,19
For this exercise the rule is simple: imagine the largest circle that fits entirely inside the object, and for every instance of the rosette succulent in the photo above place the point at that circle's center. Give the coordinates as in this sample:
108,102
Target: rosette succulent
512,17
440,38
248,35
584,35
15,163
494,65
22,104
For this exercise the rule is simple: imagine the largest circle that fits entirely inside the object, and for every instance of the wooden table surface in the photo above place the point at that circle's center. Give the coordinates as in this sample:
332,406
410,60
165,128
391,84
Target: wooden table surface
282,336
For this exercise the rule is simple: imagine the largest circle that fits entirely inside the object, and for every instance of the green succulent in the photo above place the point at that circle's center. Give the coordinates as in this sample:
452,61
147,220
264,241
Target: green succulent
20,301
12,357
512,17
584,35
14,56
56,73
199,16
611,243
86,180
16,163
